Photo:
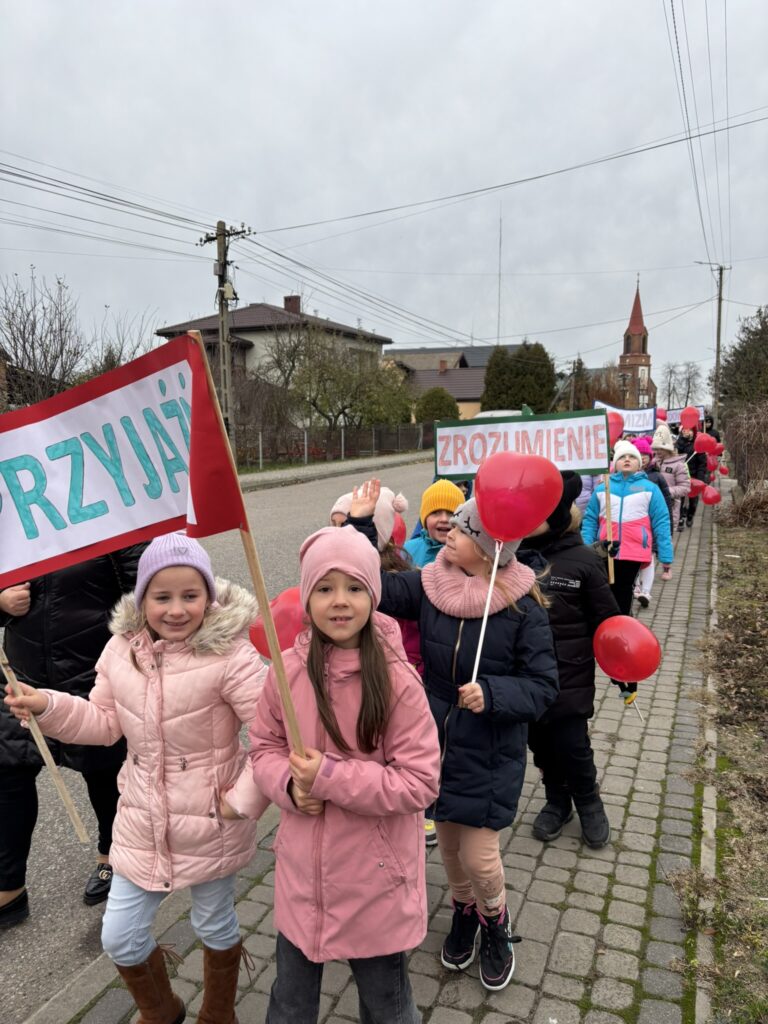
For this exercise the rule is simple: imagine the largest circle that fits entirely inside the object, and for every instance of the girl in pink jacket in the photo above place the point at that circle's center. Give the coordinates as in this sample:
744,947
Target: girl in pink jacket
350,864
177,679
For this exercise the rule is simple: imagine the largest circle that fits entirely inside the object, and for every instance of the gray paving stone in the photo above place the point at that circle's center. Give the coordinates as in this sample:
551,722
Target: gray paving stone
546,892
667,929
601,1017
618,936
559,858
555,1009
644,826
425,963
662,983
520,862
612,994
462,993
253,1006
191,966
585,901
653,1011
261,946
591,882
599,867
675,844
562,987
636,841
572,954
665,902
679,800
537,921
530,959
336,976
631,893
515,1001
615,964
675,827
111,1008
446,1016
425,989
662,953
580,921
546,873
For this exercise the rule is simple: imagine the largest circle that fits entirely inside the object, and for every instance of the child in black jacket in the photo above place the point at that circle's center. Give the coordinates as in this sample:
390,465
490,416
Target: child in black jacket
580,599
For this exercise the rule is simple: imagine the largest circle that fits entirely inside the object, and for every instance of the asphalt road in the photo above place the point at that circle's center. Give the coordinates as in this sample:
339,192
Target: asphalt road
62,935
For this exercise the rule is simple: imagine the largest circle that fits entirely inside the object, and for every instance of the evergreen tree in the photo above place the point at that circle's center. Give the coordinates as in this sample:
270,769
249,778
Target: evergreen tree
499,381
534,377
436,404
744,367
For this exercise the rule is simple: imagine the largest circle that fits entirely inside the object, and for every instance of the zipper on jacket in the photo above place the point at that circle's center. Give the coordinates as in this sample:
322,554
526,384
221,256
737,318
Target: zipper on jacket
456,652
450,709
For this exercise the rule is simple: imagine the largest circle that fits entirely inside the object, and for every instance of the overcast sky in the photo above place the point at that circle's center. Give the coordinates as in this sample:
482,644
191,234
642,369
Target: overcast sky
281,113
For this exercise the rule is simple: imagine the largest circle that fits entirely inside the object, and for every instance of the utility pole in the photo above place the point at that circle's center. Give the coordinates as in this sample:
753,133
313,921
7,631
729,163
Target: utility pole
224,294
716,383
572,400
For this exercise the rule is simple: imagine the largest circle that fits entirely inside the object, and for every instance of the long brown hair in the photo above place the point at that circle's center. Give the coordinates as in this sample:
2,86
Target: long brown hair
377,689
394,559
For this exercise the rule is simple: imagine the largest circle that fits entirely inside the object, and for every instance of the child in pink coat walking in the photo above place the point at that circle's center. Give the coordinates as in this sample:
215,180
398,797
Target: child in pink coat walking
350,865
178,679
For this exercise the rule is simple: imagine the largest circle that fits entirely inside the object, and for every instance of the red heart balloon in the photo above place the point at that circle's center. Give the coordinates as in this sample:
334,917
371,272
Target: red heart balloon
661,414
710,496
719,448
711,462
515,493
615,427
289,618
704,443
724,470
697,486
625,649
689,417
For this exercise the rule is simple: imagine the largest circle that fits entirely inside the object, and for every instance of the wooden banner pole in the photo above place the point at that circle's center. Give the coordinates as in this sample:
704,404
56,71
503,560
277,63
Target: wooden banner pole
609,524
45,753
257,577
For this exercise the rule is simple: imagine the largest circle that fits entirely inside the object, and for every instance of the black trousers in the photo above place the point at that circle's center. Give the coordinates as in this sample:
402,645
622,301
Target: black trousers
688,508
18,817
562,752
623,587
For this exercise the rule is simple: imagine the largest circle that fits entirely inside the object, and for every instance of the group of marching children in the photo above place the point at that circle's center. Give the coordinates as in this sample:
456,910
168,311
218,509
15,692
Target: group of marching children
403,715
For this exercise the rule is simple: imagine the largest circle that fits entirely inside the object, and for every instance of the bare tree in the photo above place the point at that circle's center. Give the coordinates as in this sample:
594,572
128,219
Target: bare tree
117,340
670,384
690,382
41,337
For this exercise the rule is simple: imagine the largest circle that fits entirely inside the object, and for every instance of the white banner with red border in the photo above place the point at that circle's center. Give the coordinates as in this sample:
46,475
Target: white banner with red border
572,440
127,456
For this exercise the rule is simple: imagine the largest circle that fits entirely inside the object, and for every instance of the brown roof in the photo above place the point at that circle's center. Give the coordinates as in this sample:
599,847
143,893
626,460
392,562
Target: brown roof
425,358
636,325
466,384
260,316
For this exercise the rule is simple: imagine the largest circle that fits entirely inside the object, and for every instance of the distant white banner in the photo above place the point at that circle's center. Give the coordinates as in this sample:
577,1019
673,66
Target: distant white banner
673,415
636,421
574,440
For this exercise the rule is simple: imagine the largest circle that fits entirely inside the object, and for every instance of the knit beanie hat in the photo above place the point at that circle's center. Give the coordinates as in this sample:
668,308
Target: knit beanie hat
168,550
560,518
626,448
643,445
662,438
440,494
467,519
344,549
384,514
342,504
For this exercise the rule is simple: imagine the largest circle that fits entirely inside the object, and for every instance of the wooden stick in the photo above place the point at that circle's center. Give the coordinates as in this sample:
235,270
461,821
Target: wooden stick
257,577
45,753
608,523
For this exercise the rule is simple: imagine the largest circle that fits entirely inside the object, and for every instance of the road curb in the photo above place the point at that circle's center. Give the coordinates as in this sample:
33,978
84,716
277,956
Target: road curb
350,467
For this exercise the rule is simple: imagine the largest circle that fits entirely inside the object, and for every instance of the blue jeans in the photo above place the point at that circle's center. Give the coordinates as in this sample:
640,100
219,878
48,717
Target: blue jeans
383,988
126,932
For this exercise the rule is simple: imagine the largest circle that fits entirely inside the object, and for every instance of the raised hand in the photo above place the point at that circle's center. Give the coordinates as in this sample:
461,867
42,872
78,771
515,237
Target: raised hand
364,498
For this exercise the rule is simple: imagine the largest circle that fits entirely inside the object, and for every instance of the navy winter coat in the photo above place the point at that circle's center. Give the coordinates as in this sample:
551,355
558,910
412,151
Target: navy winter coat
483,755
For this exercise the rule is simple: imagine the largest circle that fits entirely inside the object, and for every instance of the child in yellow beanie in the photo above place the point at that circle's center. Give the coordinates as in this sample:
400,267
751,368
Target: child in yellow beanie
438,503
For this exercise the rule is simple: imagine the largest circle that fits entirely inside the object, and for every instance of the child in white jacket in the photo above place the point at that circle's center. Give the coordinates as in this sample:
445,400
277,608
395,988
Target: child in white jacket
178,679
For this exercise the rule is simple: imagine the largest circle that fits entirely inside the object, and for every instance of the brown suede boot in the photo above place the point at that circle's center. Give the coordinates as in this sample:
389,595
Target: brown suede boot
220,971
151,990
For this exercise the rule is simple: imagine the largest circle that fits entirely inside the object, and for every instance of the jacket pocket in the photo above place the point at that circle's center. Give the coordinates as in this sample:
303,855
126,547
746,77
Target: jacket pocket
388,859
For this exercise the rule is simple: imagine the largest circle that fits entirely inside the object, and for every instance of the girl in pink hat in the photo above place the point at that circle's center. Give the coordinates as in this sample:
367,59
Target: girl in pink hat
178,679
350,865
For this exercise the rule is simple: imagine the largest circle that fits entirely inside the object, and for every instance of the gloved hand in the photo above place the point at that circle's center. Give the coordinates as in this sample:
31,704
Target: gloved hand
607,548
628,691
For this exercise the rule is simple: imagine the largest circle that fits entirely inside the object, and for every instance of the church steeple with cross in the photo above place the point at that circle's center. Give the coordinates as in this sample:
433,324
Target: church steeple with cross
637,387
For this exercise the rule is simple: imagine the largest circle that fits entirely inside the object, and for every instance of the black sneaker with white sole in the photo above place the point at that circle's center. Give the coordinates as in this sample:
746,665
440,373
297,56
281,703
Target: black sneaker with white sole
497,957
458,950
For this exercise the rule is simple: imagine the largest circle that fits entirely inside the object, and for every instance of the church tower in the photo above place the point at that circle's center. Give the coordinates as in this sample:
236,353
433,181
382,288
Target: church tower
637,388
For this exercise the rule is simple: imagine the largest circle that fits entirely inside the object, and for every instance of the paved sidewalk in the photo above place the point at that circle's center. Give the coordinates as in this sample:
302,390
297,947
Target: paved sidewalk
602,930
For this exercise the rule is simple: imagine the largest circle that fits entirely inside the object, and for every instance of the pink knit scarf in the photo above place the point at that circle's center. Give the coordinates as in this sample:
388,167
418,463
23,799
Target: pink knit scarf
451,591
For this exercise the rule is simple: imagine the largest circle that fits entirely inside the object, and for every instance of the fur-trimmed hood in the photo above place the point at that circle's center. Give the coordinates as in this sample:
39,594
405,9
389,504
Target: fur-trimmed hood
234,611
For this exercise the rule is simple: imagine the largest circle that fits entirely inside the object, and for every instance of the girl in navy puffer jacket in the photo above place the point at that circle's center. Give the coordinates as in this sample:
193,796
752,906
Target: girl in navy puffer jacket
482,725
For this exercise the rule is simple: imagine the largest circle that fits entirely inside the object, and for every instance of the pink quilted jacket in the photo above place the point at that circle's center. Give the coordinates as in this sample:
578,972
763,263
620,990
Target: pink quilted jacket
351,881
181,713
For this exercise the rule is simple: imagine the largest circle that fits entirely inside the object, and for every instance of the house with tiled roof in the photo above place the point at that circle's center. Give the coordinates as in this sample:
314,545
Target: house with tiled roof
253,329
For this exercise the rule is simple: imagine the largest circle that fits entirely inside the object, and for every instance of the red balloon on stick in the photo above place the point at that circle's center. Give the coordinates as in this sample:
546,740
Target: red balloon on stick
515,493
697,486
719,448
289,618
661,414
615,427
625,649
710,496
711,462
689,417
705,443
724,470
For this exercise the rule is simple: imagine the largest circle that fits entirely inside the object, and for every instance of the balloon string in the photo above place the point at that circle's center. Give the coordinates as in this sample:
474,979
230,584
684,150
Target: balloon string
485,612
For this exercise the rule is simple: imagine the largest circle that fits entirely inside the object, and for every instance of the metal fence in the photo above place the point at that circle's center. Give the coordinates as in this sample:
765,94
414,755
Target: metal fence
747,452
285,447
